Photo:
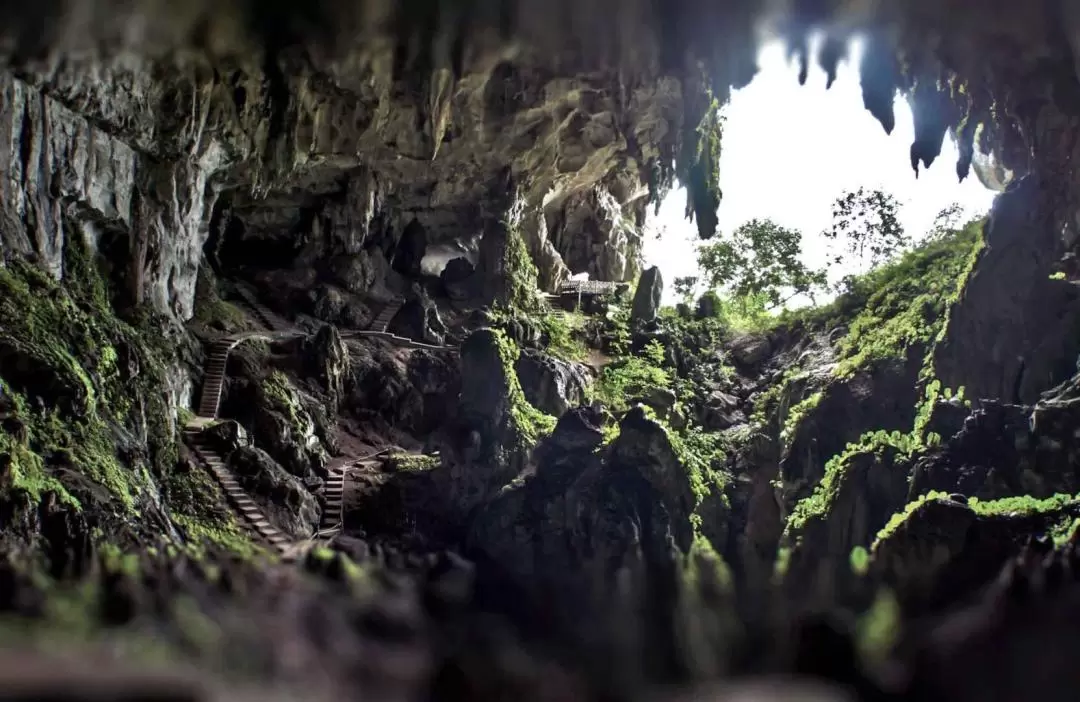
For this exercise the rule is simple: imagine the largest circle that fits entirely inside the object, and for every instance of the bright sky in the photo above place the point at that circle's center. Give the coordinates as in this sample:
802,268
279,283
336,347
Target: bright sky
790,150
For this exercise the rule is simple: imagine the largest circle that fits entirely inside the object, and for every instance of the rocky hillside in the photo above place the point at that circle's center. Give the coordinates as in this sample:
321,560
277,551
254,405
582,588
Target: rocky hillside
284,411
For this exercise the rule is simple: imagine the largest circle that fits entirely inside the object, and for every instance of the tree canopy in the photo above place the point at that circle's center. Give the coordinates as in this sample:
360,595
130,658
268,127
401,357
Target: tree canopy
760,257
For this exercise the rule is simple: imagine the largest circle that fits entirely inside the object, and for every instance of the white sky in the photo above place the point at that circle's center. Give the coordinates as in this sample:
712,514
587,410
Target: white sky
790,150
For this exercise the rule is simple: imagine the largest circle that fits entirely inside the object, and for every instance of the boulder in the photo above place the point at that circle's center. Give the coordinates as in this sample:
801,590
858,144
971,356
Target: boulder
650,290
409,254
750,350
326,359
280,496
458,279
418,319
551,384
283,425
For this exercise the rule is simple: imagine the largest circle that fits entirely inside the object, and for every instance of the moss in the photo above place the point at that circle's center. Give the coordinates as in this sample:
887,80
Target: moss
878,629
820,503
279,391
530,423
907,301
521,276
702,555
198,508
902,516
796,415
561,333
412,462
97,376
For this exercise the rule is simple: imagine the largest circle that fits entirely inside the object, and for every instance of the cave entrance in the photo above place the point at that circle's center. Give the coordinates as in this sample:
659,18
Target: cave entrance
790,150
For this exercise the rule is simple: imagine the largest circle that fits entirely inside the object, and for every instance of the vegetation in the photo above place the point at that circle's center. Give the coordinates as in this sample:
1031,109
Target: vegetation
530,423
75,376
761,258
412,462
632,376
868,223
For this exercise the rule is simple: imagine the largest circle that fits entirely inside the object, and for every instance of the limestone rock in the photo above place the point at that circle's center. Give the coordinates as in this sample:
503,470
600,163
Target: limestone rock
458,279
418,319
1014,333
281,496
551,384
287,429
650,290
326,359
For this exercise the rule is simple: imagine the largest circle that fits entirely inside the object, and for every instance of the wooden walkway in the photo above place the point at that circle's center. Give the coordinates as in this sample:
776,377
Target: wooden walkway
242,504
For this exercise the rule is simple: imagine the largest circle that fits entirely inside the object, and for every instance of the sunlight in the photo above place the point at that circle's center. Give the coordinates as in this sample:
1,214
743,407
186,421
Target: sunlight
790,150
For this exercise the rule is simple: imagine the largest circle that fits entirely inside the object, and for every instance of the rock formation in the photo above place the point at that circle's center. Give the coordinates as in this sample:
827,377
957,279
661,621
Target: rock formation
310,238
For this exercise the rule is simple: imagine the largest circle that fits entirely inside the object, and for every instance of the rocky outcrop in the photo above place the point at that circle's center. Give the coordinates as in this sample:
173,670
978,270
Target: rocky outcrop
647,296
550,384
882,397
1014,332
418,319
281,496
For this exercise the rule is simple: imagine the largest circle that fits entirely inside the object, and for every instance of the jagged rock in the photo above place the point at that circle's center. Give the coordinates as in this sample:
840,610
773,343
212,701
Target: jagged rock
283,425
578,430
647,296
227,436
281,496
1012,340
485,386
418,319
750,350
871,488
550,384
409,255
721,411
326,358
992,456
643,447
592,233
330,305
458,279
882,397
361,272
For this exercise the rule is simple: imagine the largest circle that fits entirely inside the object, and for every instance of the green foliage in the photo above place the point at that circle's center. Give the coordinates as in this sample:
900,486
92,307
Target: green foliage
521,275
905,302
96,374
684,287
703,454
633,375
561,333
879,627
796,414
859,559
902,516
530,423
412,462
868,222
760,258
817,506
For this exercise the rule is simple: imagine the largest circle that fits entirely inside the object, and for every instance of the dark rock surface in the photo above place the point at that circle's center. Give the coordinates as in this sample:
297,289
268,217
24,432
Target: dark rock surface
551,384
647,295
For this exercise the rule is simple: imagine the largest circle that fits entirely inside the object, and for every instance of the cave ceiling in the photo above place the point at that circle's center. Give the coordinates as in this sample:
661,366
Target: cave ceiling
443,110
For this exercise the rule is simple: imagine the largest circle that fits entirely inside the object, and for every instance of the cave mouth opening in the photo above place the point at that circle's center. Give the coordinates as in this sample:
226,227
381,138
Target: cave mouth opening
790,150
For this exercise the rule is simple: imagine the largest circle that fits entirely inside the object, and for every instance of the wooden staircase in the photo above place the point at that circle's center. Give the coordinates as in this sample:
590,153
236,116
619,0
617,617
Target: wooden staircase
261,312
214,376
334,491
382,320
242,503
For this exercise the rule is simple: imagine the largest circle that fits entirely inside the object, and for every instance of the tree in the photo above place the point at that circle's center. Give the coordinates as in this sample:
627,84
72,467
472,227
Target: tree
947,220
868,223
685,286
760,257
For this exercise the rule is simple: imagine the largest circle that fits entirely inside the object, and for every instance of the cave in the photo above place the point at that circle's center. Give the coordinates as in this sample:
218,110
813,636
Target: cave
289,404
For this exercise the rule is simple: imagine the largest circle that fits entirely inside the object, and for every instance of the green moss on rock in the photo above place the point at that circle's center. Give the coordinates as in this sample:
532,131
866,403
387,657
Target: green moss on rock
530,423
